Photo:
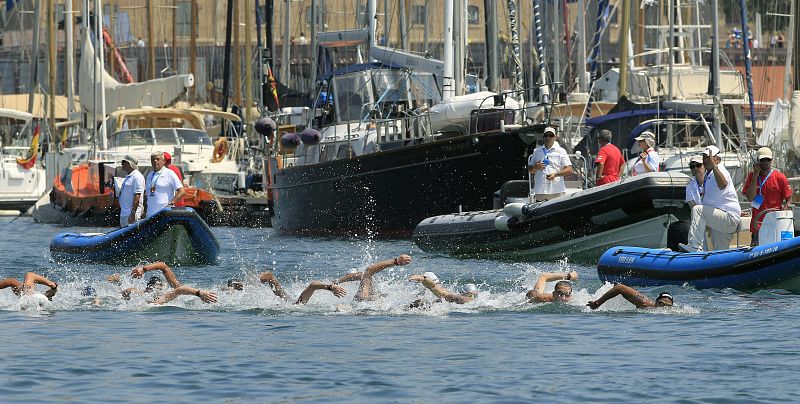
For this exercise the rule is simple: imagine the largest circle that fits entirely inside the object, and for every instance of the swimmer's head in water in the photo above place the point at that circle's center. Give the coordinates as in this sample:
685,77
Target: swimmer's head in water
562,291
470,290
154,283
88,291
32,301
664,299
431,277
235,284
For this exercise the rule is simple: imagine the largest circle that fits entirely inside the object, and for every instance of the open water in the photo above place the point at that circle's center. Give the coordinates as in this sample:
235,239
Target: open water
714,346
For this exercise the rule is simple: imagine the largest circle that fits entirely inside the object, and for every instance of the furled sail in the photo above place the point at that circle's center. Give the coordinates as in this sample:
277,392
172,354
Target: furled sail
153,93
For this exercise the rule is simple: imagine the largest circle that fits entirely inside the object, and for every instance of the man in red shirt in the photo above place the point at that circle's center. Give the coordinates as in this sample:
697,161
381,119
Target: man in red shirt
168,164
609,160
771,189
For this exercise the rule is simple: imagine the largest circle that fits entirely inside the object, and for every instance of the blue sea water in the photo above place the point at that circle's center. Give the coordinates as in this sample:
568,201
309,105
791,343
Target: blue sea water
714,346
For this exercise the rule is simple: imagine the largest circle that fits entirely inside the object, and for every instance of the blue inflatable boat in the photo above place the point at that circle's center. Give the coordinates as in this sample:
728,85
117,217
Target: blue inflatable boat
771,266
177,236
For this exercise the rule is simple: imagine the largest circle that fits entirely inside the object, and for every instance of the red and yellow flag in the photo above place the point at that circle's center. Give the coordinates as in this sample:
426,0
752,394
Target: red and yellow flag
30,161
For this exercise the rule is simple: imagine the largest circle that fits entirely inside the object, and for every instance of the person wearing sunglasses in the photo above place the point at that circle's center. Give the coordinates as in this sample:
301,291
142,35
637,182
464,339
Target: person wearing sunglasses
549,164
649,159
431,281
634,296
694,190
766,188
562,292
162,186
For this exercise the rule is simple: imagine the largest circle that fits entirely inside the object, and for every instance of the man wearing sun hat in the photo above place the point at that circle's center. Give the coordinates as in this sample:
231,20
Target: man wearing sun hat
720,210
549,164
770,190
130,192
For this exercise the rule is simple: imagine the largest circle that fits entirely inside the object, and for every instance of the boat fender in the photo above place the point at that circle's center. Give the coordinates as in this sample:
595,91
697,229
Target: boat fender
516,209
310,137
503,222
290,140
266,127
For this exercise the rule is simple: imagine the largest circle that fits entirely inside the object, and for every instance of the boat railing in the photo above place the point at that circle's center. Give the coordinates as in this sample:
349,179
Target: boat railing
411,126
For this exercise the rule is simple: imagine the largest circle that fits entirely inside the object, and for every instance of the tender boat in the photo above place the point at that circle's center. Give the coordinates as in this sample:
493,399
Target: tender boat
770,266
580,226
177,236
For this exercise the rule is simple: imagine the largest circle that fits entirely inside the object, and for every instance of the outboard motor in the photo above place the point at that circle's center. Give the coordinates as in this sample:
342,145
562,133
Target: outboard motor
310,137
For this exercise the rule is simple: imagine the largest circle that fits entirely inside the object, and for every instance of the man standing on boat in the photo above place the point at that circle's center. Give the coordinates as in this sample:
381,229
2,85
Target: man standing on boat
649,159
720,210
609,160
163,187
130,192
549,163
771,190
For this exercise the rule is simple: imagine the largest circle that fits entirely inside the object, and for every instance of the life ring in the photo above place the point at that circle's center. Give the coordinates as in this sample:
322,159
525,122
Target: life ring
220,150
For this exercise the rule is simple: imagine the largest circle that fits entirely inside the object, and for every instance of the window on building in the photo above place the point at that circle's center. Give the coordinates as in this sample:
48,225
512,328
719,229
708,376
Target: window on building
473,15
183,18
419,15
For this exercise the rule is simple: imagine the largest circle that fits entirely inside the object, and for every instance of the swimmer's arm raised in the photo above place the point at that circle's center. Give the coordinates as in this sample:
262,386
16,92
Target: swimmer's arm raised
268,277
630,294
355,276
312,287
537,293
14,284
402,259
139,271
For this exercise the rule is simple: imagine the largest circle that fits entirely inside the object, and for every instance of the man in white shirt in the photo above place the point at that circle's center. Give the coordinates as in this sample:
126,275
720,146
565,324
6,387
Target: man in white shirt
549,163
163,187
720,210
130,192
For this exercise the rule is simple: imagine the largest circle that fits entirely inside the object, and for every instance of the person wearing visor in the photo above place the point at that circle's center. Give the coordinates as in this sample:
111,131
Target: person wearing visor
431,281
649,159
720,210
156,286
549,163
130,192
562,292
634,296
162,188
769,191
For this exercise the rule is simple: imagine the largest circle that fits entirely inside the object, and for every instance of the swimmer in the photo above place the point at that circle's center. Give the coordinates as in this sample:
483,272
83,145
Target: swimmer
431,281
156,285
89,292
28,285
561,293
634,296
366,291
305,295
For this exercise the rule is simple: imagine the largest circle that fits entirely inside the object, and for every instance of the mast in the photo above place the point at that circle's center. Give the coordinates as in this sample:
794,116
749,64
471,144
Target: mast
404,41
372,18
34,56
314,43
580,44
174,36
519,79
490,10
287,8
748,67
226,64
237,57
248,64
671,55
447,74
796,45
98,22
52,67
151,46
458,41
193,52
715,72
544,90
69,58
624,42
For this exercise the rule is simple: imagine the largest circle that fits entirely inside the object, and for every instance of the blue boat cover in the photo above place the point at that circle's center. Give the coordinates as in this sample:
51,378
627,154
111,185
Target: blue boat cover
177,236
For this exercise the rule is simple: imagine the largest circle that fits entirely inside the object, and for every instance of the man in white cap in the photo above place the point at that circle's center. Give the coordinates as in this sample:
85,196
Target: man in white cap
720,210
649,159
130,192
694,190
770,190
549,163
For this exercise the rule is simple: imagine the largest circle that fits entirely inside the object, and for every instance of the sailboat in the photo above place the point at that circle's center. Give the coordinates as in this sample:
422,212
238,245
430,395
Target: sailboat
22,175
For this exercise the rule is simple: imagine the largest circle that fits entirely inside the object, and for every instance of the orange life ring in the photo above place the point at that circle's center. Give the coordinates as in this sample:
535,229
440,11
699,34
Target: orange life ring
220,150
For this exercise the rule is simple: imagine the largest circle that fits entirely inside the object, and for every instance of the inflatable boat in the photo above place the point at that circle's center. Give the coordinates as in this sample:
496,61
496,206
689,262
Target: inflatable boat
771,266
580,226
177,236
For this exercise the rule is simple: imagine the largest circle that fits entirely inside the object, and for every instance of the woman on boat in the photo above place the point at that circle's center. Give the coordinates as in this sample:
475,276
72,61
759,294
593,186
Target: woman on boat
649,159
